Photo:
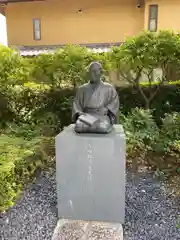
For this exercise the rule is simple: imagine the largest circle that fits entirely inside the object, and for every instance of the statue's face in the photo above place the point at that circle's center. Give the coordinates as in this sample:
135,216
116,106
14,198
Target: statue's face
95,72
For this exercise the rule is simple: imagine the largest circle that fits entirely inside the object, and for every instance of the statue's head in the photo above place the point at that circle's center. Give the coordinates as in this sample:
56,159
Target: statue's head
95,72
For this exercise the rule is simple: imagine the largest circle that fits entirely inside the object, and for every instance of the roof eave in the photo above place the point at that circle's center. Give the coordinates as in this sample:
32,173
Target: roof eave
4,2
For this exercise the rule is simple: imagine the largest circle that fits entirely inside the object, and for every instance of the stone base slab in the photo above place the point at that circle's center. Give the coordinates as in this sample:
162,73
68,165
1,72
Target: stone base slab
83,230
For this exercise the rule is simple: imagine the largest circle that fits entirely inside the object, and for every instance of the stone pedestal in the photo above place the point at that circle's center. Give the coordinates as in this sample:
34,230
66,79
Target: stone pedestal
82,230
90,171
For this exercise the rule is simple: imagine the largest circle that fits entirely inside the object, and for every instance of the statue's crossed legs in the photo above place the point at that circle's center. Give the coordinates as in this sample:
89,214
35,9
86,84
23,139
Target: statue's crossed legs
102,126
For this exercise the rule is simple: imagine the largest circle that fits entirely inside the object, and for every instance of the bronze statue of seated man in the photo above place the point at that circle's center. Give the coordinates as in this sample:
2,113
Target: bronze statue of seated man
96,104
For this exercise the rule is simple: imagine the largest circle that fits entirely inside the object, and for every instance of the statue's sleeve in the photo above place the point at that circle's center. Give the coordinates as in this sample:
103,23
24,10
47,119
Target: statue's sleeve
77,108
113,104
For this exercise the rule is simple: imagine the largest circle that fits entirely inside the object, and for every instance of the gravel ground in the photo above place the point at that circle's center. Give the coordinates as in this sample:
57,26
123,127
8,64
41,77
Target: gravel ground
150,213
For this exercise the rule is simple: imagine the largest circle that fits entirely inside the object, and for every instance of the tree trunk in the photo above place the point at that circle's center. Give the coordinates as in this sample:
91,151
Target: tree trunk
147,104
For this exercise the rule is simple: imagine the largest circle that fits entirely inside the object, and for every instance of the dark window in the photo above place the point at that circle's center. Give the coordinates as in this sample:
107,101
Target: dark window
37,29
153,18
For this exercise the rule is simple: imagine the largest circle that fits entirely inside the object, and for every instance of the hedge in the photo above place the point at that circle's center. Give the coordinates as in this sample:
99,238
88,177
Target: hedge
166,101
58,102
34,105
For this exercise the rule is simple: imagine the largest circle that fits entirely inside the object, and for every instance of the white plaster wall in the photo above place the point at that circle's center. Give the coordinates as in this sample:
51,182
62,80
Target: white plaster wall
3,30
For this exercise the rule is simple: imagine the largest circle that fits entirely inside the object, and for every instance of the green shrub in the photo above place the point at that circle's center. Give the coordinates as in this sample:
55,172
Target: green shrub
55,107
19,161
27,101
141,130
171,126
25,131
141,124
165,150
6,113
66,67
140,55
169,138
167,101
14,69
150,144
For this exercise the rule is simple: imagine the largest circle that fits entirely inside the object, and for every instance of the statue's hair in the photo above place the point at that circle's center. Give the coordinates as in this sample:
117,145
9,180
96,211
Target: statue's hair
95,63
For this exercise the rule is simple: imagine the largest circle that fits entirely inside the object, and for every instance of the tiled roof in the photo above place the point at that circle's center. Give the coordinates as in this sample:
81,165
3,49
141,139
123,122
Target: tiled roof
36,50
13,1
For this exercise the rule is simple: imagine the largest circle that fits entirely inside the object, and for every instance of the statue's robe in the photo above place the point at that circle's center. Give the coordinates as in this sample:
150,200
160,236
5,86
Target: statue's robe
100,101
